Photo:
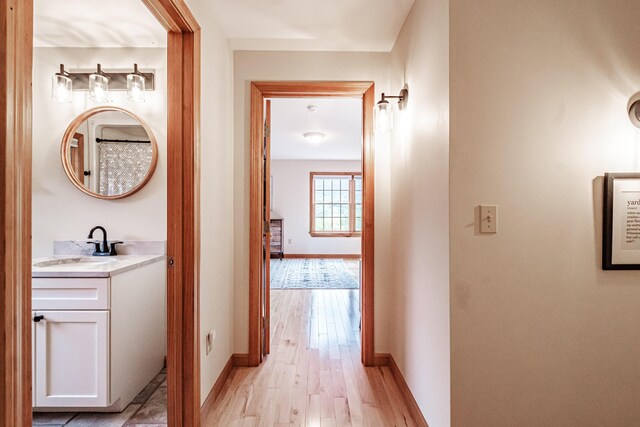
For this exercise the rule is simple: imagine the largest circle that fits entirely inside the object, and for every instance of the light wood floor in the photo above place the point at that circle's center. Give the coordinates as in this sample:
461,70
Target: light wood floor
313,376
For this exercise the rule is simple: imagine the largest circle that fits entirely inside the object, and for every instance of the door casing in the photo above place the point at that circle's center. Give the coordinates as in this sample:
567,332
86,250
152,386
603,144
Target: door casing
183,193
302,89
266,318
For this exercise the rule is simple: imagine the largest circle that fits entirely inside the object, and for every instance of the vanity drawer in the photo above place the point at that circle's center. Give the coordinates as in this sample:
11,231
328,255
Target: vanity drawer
70,293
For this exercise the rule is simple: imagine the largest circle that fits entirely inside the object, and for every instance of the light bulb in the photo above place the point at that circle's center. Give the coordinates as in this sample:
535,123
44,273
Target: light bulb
61,88
98,87
62,94
135,85
383,116
135,89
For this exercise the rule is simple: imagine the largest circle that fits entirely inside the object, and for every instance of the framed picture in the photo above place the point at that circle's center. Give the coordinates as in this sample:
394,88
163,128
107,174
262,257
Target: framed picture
621,222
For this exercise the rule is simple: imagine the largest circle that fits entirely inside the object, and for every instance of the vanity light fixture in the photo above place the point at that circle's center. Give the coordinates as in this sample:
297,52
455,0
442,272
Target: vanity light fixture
135,85
62,86
383,110
99,86
313,137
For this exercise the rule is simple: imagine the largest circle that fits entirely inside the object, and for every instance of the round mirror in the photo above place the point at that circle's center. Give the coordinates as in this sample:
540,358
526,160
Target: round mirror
109,152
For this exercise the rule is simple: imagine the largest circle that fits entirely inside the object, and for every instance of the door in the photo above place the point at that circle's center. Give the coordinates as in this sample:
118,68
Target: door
266,233
77,156
71,354
364,90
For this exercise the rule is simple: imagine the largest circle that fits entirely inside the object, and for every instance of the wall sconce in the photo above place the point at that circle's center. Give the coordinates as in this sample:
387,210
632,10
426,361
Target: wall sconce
634,111
135,85
383,111
313,137
61,86
99,84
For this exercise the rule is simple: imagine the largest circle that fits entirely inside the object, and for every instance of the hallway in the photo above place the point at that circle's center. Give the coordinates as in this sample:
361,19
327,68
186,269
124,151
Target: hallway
313,375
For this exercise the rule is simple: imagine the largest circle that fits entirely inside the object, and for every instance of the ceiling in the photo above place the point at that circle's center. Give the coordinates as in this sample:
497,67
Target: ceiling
328,25
309,25
93,23
340,119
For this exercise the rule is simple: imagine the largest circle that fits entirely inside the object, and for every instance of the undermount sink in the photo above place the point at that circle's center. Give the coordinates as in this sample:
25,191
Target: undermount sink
74,260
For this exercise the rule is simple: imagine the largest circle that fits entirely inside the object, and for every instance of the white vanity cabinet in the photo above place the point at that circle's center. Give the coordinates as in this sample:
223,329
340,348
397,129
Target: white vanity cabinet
97,341
71,359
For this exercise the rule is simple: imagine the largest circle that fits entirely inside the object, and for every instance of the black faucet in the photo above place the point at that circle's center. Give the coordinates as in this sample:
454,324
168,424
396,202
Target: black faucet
105,250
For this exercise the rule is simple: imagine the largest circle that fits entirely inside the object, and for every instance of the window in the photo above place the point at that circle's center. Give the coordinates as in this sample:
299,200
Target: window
336,204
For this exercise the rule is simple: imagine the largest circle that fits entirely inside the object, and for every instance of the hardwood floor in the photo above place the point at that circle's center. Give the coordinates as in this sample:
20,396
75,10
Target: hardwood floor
313,376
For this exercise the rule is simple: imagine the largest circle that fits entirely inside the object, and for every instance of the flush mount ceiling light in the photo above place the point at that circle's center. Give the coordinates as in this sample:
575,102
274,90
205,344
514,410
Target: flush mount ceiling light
61,86
383,110
99,84
135,85
634,110
313,137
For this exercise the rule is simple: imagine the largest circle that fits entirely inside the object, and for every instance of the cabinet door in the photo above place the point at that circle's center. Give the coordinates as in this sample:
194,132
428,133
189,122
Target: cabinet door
71,354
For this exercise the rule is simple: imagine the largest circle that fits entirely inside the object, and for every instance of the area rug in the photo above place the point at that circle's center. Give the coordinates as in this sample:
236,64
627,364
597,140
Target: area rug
306,273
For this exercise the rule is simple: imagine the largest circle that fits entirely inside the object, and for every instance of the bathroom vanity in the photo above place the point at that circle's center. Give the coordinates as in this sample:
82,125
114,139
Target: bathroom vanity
99,330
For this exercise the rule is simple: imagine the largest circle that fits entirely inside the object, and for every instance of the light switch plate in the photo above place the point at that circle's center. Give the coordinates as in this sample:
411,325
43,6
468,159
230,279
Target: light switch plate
488,219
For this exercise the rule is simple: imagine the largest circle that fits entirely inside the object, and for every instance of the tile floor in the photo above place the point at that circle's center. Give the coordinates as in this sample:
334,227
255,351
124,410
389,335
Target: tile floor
148,409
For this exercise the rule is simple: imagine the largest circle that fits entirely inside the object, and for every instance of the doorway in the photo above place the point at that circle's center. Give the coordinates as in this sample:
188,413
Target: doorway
315,206
259,295
183,207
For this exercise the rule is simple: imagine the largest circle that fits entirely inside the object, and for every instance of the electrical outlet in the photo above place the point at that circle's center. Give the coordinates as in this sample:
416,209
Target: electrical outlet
289,241
211,336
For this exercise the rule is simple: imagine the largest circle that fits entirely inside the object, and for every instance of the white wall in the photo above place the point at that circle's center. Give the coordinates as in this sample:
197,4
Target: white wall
250,66
291,202
420,209
540,334
216,197
60,210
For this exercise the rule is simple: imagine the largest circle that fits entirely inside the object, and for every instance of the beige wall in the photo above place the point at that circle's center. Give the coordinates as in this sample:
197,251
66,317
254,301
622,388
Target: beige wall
291,201
541,336
250,66
216,271
420,209
60,210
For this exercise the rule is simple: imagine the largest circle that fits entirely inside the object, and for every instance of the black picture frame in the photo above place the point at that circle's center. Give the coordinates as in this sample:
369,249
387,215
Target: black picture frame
621,222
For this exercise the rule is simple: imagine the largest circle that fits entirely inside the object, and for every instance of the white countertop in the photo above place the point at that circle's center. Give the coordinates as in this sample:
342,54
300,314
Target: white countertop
91,266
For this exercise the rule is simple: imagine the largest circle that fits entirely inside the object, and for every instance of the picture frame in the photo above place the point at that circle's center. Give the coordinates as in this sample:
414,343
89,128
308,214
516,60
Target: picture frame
621,222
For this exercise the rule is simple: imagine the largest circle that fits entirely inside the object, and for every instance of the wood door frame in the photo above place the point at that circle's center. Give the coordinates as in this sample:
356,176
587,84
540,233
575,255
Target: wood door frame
267,203
306,89
16,62
78,156
183,211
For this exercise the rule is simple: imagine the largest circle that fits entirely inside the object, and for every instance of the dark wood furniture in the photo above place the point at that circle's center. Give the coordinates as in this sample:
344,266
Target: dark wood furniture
277,242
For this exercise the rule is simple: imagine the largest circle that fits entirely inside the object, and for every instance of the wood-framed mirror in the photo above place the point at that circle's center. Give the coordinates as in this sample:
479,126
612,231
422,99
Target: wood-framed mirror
109,152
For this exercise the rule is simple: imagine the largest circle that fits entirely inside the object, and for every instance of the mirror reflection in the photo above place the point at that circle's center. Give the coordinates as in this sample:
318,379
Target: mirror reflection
109,152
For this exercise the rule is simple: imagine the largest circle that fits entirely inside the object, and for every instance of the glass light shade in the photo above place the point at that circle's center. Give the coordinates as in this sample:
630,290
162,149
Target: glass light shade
634,113
98,88
313,137
61,88
383,112
135,87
